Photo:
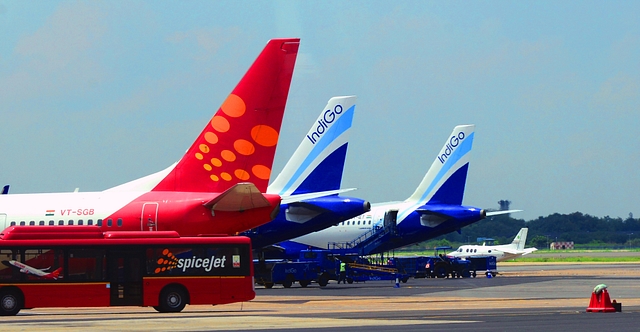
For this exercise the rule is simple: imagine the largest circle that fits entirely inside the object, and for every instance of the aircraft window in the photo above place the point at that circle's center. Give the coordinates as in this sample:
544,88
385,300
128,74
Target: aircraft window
369,222
70,222
51,222
32,223
119,222
80,222
60,222
90,222
467,250
41,223
348,223
358,222
99,223
475,250
489,251
109,222
22,223
13,223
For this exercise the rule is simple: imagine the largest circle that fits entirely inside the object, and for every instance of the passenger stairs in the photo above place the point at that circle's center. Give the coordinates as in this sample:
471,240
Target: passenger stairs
368,242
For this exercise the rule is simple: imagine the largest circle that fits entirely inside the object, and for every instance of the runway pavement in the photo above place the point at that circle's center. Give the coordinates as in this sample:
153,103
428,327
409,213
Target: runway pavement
523,298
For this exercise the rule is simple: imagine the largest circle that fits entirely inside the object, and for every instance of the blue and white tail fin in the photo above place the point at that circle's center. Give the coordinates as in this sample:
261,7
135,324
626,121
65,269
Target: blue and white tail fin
318,162
445,181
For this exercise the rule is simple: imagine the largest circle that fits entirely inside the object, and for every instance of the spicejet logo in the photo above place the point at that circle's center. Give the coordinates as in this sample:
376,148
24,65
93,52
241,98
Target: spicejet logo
324,122
169,262
454,141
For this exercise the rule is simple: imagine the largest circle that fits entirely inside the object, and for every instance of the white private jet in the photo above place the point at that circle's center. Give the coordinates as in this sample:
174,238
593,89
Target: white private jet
501,252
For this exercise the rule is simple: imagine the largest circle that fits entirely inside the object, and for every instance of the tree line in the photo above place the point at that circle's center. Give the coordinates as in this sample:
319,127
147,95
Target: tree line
577,227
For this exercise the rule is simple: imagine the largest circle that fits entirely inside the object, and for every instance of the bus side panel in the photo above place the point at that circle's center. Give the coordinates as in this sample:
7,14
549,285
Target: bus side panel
65,295
236,289
202,290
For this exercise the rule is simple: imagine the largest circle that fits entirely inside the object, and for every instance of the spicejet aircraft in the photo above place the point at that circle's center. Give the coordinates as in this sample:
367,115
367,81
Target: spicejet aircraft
24,268
501,252
434,208
216,188
316,166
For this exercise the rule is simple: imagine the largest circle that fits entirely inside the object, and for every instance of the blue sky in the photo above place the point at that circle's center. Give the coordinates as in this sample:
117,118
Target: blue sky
94,94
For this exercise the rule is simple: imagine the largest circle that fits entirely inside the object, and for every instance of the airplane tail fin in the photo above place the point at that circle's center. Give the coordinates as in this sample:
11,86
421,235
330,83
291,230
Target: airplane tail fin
238,144
520,239
318,162
445,181
55,274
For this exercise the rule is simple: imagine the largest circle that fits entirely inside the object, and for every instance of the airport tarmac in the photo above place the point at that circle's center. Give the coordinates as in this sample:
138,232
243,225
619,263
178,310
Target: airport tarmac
525,297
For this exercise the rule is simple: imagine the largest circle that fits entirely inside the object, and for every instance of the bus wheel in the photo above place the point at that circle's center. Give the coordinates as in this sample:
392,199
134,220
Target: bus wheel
10,302
172,299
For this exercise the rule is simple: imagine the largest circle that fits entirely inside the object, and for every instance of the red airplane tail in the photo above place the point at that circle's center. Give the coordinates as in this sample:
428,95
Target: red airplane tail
55,274
239,143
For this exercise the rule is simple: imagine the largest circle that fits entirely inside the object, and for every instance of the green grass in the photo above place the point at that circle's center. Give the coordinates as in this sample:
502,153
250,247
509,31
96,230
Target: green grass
576,259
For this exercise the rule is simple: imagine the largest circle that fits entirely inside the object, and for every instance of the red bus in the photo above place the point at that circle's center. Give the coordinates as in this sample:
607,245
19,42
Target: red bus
81,266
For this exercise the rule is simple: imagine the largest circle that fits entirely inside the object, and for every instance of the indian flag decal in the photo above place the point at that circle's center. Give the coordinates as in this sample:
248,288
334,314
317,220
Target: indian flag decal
49,213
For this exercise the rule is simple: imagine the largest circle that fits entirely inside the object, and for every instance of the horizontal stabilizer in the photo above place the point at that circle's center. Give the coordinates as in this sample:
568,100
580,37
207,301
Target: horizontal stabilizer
497,213
240,197
302,197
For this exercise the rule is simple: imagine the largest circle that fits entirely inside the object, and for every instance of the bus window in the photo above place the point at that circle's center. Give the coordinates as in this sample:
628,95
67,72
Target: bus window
42,264
86,264
8,274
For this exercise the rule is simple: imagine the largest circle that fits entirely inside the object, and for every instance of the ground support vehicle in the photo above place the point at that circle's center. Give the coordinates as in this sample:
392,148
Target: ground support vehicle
366,272
317,266
320,266
413,266
442,266
81,266
483,264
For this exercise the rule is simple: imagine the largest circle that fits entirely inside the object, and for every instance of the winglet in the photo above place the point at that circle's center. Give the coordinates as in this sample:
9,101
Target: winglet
445,181
238,144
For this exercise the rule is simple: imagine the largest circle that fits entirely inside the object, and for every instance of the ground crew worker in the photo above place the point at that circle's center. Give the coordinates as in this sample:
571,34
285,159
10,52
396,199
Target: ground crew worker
343,273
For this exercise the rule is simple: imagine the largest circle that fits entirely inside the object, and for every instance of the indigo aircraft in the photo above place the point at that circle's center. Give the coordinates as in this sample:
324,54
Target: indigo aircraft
218,186
501,252
432,210
315,167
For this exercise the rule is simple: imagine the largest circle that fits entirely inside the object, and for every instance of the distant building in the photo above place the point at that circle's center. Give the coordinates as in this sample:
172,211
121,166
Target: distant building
561,245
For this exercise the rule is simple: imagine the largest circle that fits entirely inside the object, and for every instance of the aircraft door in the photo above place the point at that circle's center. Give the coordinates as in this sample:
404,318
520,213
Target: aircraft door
149,218
125,270
390,220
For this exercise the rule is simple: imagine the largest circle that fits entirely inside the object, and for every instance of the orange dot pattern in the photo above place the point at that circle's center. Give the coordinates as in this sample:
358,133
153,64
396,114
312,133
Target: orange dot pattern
167,262
218,161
